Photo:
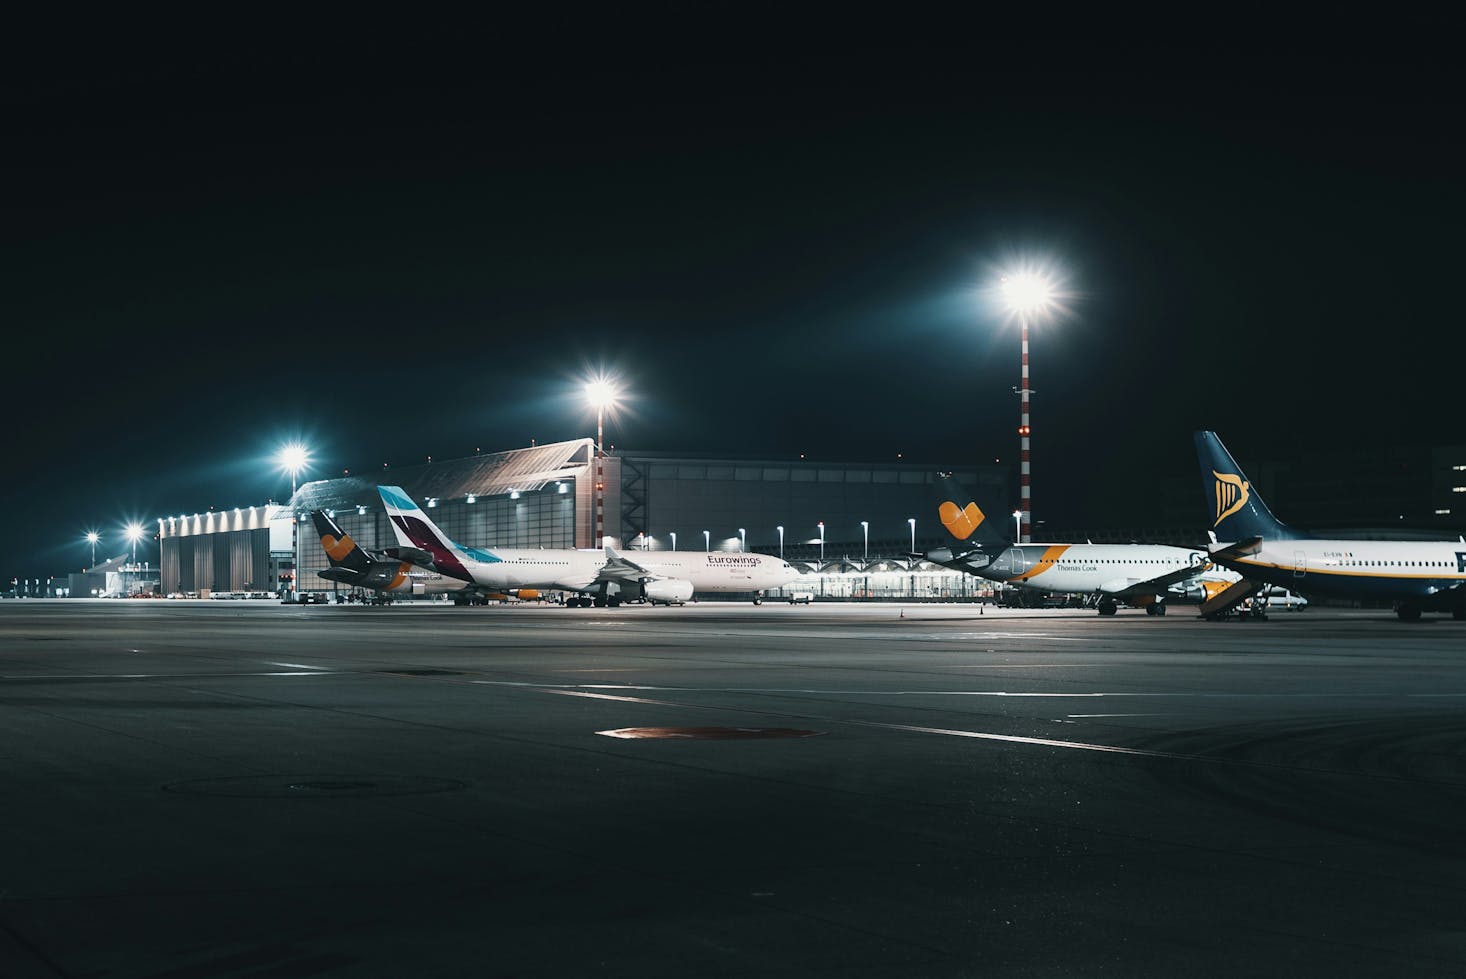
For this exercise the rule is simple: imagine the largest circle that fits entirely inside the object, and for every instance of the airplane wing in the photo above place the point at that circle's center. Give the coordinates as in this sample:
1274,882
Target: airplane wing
1152,586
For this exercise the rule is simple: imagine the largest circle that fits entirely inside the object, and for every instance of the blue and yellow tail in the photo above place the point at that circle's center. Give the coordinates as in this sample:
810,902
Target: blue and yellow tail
1234,510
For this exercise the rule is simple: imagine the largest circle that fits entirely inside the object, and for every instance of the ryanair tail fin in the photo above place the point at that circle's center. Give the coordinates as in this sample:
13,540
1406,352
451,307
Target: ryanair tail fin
1234,510
341,550
959,512
415,530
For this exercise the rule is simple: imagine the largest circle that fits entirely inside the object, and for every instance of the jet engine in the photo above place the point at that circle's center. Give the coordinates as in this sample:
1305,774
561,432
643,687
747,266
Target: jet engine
666,591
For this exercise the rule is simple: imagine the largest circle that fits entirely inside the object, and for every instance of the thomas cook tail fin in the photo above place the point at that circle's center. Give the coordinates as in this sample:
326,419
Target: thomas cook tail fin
341,550
1234,510
966,522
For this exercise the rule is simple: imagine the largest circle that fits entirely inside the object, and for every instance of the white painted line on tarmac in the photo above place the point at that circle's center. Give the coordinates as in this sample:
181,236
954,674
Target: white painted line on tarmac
1045,742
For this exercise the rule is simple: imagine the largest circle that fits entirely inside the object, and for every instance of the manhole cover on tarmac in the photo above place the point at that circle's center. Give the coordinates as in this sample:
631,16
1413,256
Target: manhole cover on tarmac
708,733
314,786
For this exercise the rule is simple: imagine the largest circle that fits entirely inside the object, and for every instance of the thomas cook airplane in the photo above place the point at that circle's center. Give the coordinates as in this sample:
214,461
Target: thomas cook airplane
1140,575
1417,576
599,578
385,575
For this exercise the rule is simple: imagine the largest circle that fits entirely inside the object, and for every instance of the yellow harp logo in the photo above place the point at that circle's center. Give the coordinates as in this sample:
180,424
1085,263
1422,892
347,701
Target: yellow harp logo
1231,494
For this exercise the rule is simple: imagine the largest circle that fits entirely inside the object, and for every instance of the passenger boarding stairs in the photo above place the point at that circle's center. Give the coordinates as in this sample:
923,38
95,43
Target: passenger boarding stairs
1223,603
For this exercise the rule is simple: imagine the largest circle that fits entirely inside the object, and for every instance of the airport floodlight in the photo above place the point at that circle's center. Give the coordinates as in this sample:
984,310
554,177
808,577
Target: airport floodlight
780,528
706,541
822,541
911,521
293,458
673,535
1017,524
1027,292
865,533
134,533
742,539
601,394
92,538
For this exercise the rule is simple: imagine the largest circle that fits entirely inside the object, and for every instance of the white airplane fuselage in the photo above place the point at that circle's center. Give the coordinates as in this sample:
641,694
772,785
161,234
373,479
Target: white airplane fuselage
1089,568
709,573
1382,570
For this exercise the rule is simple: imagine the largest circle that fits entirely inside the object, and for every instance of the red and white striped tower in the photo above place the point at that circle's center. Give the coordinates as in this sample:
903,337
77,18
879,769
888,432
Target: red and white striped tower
602,394
1026,293
600,475
1025,476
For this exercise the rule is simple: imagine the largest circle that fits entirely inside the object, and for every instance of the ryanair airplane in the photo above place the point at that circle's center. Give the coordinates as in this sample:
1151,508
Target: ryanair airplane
1108,575
1417,576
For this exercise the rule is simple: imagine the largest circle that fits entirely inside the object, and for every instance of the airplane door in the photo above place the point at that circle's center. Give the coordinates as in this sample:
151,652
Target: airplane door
1300,564
1019,565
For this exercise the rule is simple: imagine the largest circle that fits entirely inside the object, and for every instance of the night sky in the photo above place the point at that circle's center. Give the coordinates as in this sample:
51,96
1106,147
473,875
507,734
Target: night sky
395,245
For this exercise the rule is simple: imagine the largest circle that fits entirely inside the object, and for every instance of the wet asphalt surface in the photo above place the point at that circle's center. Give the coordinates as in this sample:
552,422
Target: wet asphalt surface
232,789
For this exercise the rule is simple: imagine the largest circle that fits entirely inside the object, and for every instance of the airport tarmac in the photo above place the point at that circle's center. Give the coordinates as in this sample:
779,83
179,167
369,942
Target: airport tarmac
231,789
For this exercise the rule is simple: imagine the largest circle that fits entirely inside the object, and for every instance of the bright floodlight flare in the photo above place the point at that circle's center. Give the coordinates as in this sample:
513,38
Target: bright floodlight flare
134,533
600,393
1027,292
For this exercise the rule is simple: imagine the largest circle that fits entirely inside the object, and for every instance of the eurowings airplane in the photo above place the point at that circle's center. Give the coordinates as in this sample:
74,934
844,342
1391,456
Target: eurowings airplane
1417,576
1139,575
600,578
385,575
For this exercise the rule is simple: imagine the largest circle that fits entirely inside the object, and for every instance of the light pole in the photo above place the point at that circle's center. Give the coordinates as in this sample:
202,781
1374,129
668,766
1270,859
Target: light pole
134,532
1017,525
706,545
822,542
601,393
92,538
674,540
781,542
742,540
1026,293
293,458
911,522
865,547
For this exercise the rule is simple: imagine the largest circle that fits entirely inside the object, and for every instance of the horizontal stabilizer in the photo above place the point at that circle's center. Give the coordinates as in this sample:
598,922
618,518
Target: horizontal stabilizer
1241,549
344,575
416,555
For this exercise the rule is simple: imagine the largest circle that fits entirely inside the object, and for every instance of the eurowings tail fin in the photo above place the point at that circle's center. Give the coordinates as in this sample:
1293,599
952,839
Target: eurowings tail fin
415,530
1234,510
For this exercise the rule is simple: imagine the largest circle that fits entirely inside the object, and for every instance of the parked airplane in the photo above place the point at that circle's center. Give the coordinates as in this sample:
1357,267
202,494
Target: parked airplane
1140,575
381,573
598,577
1417,576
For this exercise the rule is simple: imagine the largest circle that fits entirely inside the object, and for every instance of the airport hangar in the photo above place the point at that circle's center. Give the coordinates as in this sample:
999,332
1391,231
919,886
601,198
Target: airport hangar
544,496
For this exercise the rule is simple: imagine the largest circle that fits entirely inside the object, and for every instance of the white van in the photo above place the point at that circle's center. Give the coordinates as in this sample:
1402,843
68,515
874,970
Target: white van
1280,599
